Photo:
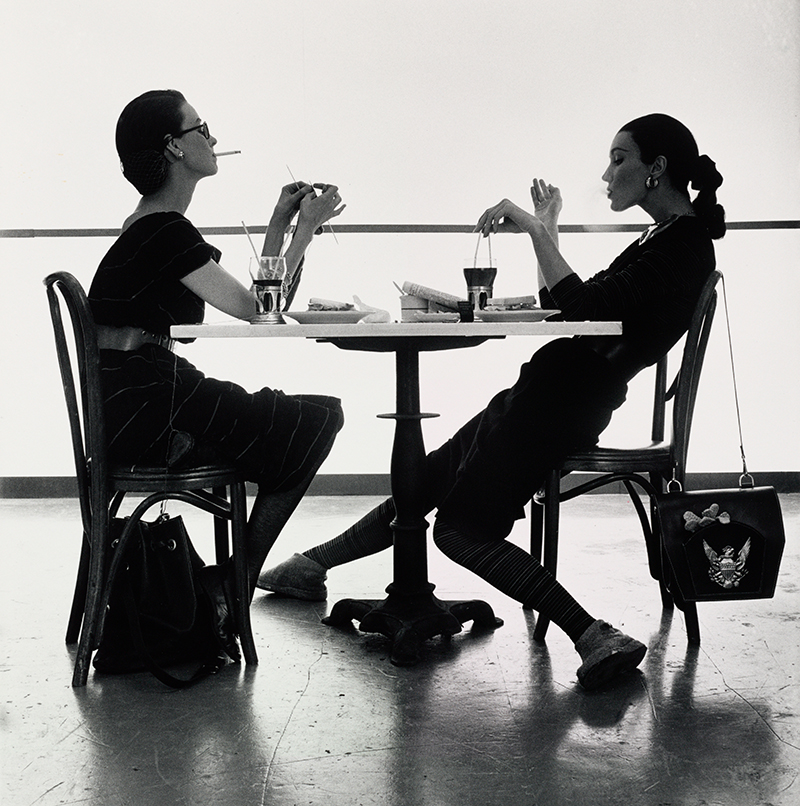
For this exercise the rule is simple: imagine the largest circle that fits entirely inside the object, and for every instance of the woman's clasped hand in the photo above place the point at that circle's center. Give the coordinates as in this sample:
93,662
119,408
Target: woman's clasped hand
506,216
314,208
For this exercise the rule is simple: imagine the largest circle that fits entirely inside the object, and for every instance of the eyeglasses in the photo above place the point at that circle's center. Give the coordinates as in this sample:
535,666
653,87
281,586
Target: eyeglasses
201,127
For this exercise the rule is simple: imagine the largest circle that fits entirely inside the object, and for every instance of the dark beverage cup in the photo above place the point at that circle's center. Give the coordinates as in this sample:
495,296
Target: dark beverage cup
480,285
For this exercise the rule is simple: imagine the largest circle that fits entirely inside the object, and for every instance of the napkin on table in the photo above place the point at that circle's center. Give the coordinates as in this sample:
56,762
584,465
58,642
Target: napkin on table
374,315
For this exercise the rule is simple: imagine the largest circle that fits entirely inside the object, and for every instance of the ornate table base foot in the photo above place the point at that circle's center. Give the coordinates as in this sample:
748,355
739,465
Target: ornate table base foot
410,619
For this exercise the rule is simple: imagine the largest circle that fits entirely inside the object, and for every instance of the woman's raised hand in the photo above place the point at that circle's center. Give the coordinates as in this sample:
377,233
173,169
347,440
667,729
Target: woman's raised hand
315,209
504,217
547,200
290,199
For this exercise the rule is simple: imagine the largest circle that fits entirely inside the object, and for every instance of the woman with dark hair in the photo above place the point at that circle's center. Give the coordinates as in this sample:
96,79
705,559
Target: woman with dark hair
480,479
161,410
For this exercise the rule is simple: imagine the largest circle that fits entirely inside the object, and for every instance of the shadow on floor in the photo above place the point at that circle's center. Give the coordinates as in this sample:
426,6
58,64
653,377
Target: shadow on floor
485,719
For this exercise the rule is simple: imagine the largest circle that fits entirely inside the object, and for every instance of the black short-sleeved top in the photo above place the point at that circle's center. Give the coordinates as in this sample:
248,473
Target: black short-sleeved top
151,394
138,282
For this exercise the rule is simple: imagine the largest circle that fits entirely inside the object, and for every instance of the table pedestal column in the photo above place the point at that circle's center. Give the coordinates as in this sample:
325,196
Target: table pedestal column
411,613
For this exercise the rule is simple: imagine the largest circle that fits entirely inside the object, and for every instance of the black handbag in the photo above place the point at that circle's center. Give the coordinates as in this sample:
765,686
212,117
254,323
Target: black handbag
159,613
720,545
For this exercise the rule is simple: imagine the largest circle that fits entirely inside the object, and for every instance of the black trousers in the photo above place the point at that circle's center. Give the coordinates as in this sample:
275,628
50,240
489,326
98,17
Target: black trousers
483,476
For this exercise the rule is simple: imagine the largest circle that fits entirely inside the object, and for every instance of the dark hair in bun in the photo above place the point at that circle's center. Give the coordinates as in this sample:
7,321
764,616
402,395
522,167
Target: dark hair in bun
659,135
142,131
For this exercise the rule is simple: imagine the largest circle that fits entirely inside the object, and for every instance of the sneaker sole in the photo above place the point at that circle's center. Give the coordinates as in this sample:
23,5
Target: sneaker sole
294,593
617,663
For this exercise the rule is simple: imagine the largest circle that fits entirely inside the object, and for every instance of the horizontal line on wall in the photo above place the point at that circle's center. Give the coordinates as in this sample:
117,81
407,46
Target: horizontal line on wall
378,484
382,229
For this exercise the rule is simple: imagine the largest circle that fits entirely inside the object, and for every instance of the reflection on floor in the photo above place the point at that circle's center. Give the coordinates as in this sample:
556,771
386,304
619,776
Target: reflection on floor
484,719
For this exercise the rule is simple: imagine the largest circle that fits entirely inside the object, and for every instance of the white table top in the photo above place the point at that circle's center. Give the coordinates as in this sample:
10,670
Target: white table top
241,330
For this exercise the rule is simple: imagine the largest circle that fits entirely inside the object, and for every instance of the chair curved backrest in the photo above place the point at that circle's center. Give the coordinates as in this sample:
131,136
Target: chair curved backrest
85,400
79,364
660,461
649,467
684,388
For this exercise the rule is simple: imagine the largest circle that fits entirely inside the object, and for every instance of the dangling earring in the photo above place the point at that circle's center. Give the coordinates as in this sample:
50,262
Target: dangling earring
651,182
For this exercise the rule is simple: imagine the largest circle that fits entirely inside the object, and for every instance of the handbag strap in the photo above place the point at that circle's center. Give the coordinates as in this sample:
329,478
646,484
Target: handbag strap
746,479
211,665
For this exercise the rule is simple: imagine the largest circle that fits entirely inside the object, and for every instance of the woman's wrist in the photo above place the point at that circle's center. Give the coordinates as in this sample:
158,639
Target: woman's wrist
304,231
537,226
281,219
550,225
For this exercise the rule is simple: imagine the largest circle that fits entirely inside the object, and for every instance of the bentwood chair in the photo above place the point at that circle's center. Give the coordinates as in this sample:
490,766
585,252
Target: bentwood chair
650,467
215,488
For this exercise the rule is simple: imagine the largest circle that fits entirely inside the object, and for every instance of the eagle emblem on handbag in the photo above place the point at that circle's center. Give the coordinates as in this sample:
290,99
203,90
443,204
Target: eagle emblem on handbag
727,568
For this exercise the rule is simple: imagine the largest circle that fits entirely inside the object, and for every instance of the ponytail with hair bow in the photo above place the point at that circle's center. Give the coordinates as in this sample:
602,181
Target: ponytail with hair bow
705,175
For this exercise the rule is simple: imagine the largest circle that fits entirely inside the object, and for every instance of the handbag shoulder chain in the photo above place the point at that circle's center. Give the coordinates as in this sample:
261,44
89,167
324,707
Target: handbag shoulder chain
745,480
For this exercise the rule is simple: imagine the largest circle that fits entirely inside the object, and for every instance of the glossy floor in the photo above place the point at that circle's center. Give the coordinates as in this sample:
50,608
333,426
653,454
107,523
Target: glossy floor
484,719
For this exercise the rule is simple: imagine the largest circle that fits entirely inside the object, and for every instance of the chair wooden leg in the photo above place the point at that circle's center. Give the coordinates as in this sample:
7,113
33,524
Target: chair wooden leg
79,597
659,565
221,549
692,623
651,541
241,575
550,559
667,602
665,582
537,529
92,609
689,613
540,630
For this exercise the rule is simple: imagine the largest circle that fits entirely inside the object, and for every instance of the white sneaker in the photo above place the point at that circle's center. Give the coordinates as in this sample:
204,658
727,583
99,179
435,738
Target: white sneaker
606,653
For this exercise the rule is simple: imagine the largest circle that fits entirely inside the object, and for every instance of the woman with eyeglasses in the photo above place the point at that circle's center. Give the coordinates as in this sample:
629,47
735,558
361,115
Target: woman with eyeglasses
160,409
480,480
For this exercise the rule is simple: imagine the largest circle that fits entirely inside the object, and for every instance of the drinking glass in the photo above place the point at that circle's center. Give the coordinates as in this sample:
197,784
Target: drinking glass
268,274
480,285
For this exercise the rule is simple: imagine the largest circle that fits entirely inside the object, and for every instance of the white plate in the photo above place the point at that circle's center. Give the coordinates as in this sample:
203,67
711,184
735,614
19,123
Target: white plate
536,315
325,317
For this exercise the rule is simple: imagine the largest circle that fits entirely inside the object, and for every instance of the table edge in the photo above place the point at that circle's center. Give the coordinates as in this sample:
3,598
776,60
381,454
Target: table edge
238,330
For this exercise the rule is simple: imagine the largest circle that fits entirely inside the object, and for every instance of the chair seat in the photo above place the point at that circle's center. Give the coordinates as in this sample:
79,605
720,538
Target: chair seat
155,479
654,457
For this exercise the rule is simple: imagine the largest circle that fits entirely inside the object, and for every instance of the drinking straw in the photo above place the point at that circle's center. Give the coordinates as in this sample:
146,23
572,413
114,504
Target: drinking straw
403,293
477,246
247,233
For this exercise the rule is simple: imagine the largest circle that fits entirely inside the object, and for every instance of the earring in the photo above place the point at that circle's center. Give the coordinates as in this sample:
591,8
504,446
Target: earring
180,155
651,182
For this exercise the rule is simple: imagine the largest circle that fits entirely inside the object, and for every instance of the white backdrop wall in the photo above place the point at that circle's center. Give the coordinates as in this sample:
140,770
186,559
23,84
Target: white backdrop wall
422,112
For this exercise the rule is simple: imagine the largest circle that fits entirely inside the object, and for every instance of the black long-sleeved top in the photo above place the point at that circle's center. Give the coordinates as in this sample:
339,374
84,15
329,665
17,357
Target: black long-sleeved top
652,287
